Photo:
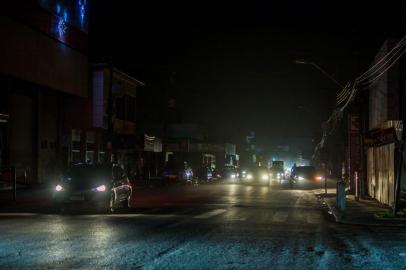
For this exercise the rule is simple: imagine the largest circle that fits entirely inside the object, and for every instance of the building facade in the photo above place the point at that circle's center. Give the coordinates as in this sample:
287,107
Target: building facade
108,132
44,80
386,115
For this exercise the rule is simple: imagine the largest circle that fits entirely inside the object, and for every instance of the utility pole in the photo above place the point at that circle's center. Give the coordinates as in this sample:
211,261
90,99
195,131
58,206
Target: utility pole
401,163
325,73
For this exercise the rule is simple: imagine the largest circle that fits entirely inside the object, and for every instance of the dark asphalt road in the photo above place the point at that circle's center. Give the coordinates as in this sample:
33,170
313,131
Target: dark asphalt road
222,226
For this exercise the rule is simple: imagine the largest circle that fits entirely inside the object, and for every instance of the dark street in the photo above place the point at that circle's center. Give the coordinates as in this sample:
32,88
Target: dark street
219,226
202,135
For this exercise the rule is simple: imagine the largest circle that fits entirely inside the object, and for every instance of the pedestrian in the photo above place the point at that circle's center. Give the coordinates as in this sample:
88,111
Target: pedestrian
293,170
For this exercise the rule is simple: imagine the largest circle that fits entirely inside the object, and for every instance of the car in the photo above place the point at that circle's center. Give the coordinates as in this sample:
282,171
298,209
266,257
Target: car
306,173
256,175
276,174
175,172
216,174
104,187
205,174
245,172
230,174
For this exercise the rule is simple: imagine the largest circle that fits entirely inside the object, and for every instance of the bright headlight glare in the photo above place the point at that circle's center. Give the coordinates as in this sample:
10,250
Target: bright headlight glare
58,188
265,177
101,188
249,176
319,177
300,178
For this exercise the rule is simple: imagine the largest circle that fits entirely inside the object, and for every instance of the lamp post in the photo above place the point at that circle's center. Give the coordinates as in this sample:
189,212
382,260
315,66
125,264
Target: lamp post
304,62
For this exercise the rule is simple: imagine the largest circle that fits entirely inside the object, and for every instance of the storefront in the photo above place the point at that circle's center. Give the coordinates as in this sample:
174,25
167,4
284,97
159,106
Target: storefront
381,166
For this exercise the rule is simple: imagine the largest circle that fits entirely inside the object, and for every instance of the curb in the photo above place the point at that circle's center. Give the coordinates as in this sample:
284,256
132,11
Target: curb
338,216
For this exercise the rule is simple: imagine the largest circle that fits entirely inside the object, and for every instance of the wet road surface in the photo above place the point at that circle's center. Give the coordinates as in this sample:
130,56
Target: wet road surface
218,226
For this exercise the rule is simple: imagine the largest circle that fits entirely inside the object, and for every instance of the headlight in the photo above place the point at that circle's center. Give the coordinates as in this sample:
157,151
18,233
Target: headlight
101,188
300,178
244,172
58,188
319,178
249,176
233,176
265,177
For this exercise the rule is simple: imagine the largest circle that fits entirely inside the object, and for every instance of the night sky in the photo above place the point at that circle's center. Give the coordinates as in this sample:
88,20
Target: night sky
231,66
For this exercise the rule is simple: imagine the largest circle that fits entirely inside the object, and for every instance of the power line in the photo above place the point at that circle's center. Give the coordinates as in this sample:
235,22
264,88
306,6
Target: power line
348,93
373,80
370,71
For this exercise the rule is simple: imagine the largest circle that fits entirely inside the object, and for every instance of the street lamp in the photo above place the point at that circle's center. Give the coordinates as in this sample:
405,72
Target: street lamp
304,62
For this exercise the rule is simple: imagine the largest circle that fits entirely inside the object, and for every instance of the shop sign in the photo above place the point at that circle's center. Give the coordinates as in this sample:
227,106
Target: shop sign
380,137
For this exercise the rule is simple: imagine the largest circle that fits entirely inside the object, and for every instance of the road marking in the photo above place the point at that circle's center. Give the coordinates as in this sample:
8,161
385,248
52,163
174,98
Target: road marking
237,219
134,215
280,216
211,214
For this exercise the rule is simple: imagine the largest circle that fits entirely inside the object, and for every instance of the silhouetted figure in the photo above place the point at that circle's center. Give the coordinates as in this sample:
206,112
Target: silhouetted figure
293,170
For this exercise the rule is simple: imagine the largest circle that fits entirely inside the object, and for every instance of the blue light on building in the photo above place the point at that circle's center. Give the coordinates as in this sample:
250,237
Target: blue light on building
58,8
61,27
73,13
82,13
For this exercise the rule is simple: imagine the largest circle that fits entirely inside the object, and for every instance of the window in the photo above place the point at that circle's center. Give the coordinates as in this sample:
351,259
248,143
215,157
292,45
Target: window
126,108
120,108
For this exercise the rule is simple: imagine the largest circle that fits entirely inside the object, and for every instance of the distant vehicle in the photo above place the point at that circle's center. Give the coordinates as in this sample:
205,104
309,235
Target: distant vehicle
278,164
177,172
306,173
229,173
216,174
277,171
104,187
205,174
276,174
256,175
242,172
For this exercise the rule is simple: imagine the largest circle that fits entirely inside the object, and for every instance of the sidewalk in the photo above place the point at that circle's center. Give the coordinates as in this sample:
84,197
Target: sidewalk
29,199
366,211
